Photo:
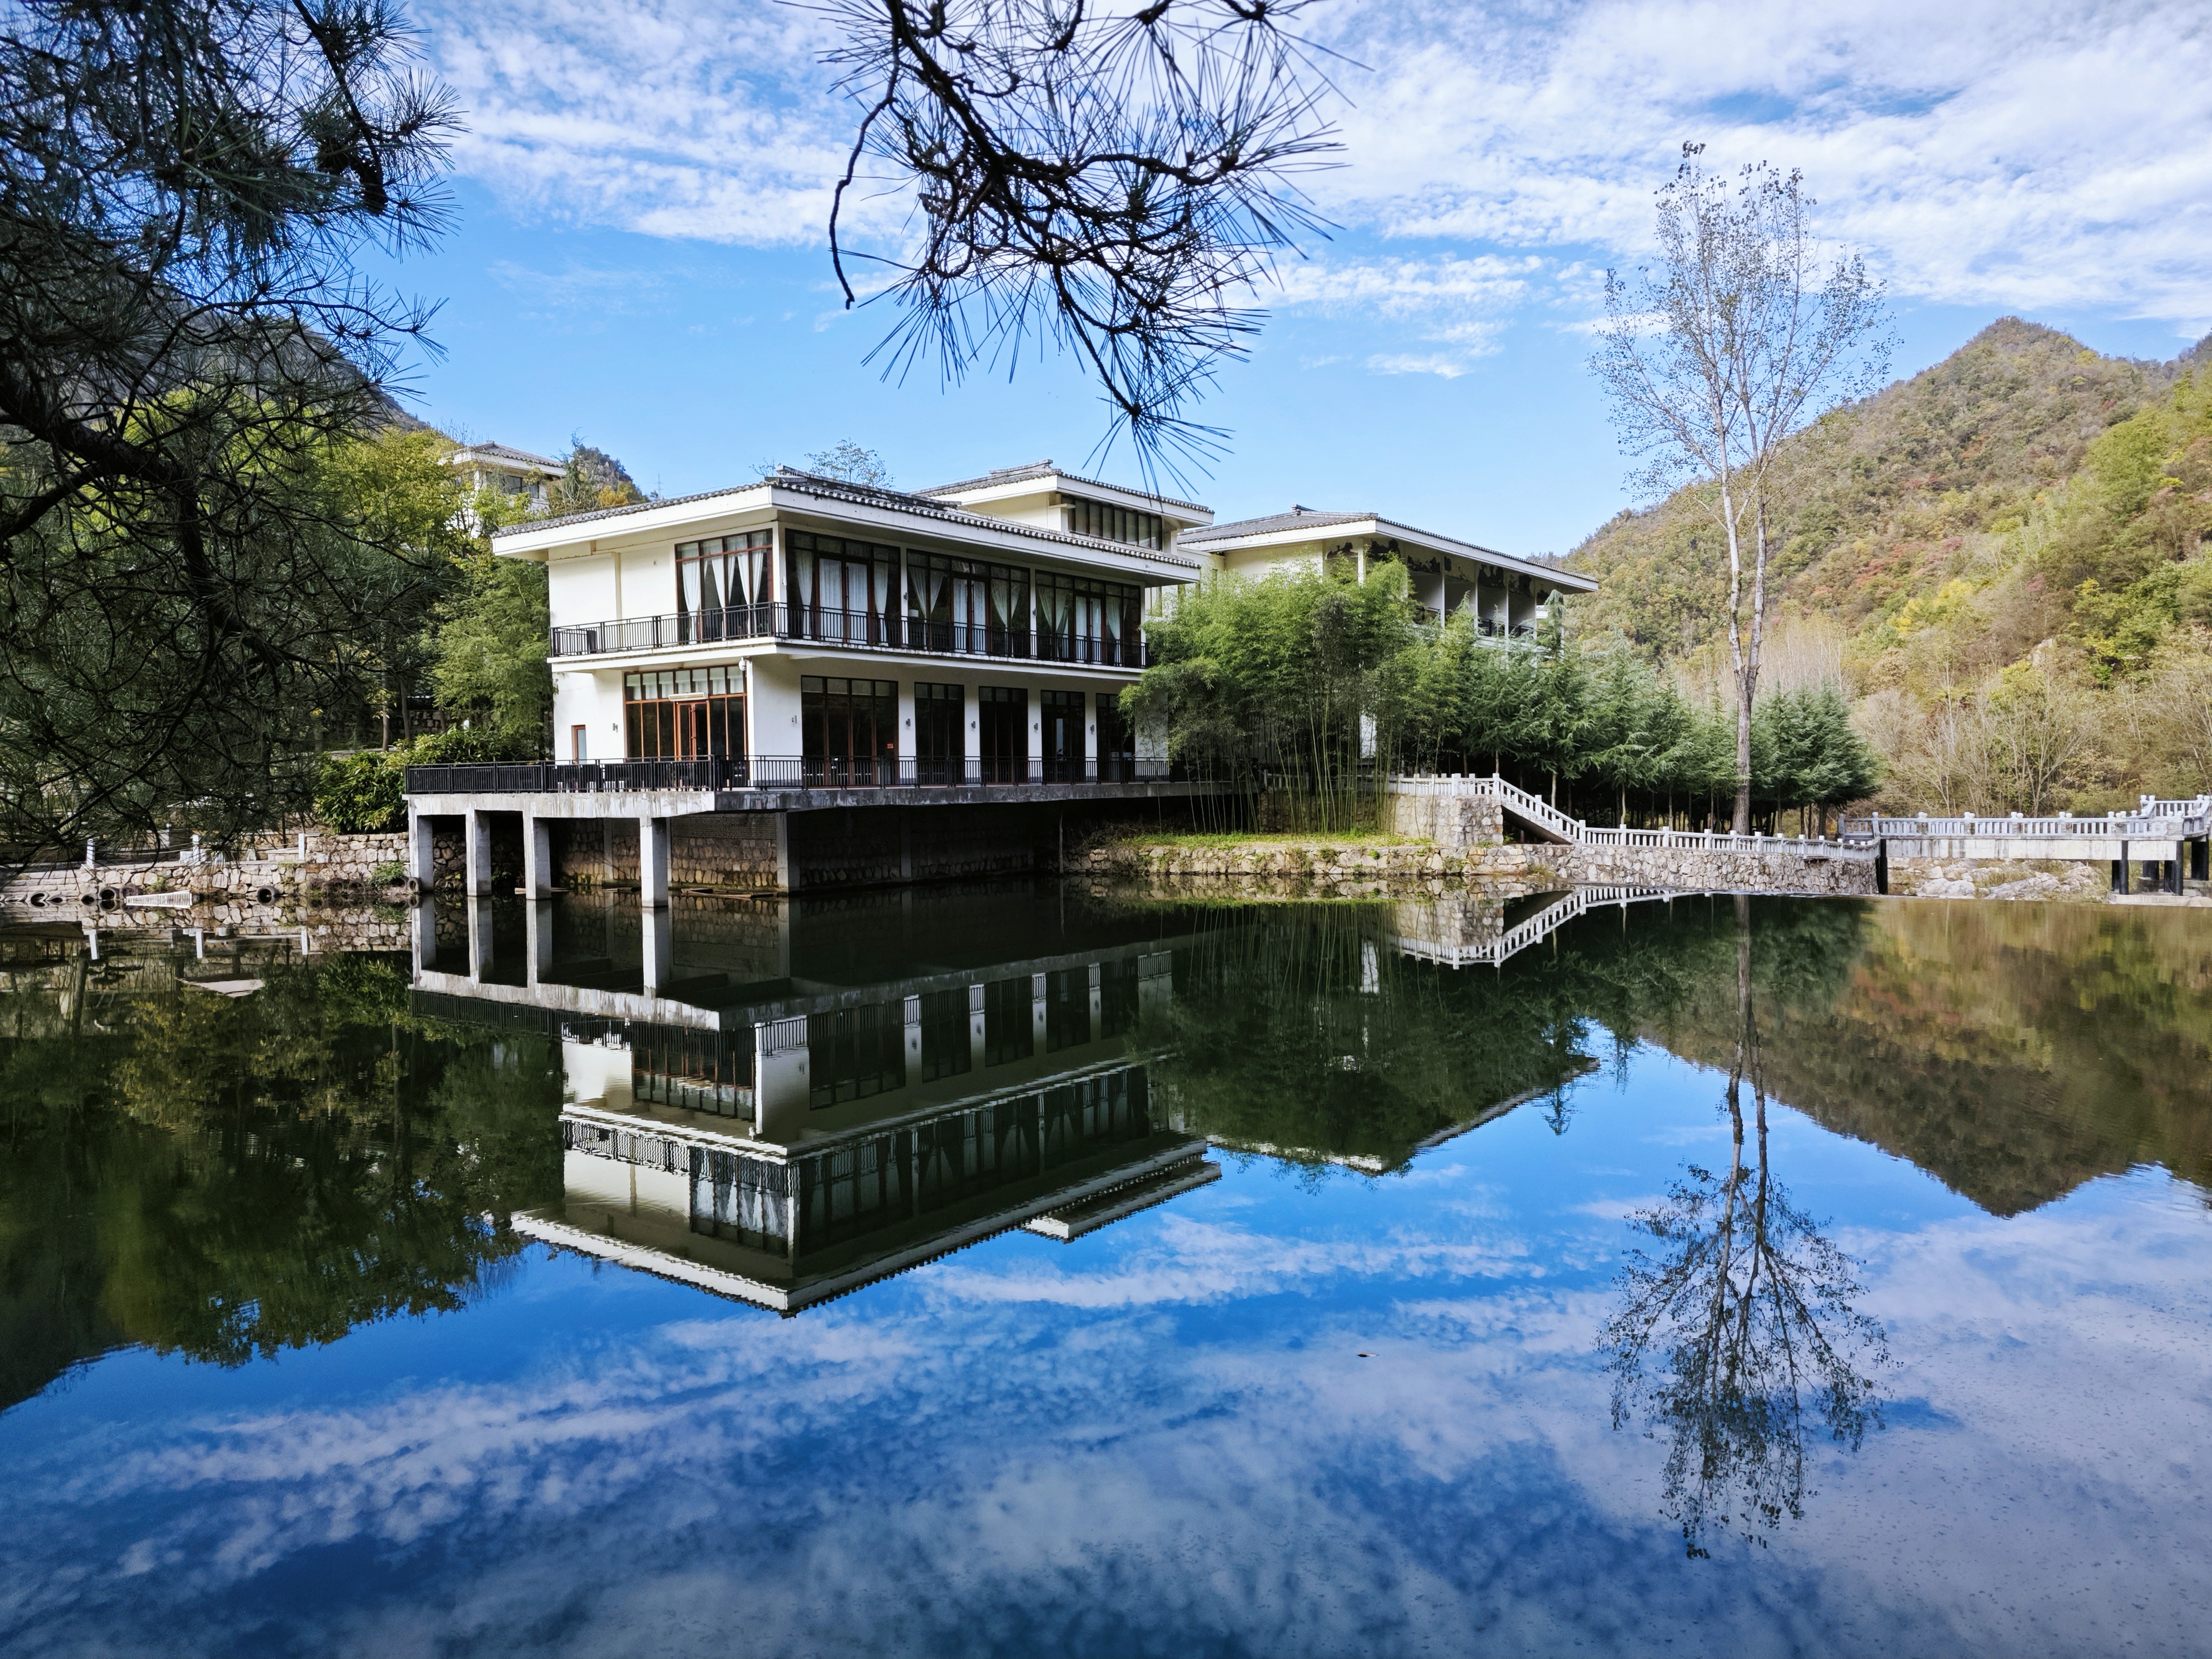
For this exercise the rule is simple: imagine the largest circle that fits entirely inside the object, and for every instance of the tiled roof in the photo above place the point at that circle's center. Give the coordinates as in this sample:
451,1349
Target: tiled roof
1303,519
839,490
1308,519
1006,475
508,453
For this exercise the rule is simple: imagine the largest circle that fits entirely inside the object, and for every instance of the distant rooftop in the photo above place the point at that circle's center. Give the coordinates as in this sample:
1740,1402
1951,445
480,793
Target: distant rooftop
1008,475
1317,519
508,453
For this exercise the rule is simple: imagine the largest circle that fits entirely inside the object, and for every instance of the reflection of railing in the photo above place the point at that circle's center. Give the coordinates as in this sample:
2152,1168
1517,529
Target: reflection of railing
1530,930
2152,819
867,630
774,772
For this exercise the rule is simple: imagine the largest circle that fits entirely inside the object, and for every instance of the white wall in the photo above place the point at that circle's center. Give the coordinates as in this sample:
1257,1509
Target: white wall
594,700
582,589
772,706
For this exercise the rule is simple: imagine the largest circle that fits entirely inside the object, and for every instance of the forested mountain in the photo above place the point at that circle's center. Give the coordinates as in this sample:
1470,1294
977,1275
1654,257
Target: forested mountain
2005,558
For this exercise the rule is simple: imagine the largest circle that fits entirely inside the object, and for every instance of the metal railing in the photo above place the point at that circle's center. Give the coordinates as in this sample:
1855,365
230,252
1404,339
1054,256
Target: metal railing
2152,819
1536,812
864,631
774,772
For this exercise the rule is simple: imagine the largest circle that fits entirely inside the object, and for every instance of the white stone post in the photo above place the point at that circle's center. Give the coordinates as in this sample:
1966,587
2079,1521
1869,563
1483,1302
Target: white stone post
419,858
652,862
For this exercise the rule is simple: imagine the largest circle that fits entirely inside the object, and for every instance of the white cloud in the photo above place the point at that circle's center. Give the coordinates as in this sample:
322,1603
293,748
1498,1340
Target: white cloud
2027,156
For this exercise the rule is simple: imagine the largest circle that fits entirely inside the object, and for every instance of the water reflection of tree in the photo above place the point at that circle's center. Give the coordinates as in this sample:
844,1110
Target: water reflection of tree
1737,1332
230,1179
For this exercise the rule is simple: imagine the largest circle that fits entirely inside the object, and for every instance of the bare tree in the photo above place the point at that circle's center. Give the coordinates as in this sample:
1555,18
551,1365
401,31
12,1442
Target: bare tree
1740,1334
1113,180
1743,332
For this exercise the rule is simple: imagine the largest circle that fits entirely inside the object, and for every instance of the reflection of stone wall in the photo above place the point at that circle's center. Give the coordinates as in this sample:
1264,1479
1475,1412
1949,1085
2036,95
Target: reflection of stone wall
1529,868
2001,879
347,863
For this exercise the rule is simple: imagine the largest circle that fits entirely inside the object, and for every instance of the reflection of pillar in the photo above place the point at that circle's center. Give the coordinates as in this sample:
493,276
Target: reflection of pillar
419,856
1097,1014
976,1022
540,929
659,947
912,1011
479,937
652,862
536,855
425,928
475,832
1037,1012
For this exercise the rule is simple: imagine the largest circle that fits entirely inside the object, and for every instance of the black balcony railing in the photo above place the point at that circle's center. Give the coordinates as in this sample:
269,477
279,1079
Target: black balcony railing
775,772
855,629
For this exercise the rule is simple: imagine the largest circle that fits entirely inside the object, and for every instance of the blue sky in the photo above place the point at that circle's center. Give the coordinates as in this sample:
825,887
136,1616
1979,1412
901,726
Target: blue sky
639,255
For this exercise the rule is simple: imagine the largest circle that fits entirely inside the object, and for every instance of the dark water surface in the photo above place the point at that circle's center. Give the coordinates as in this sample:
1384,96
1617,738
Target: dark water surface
1010,1270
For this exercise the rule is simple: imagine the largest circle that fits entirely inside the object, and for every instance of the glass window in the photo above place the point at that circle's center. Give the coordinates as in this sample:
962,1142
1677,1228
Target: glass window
853,1052
1009,1021
1117,741
841,590
1082,620
1002,748
685,713
1061,715
966,606
722,587
940,733
1114,524
849,732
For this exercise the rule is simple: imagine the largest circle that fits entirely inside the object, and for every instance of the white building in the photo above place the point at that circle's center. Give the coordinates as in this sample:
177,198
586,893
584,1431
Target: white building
834,634
505,471
805,650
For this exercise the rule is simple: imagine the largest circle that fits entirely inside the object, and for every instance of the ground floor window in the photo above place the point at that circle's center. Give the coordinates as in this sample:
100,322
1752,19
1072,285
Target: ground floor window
684,713
1002,749
940,733
1117,741
1061,715
848,731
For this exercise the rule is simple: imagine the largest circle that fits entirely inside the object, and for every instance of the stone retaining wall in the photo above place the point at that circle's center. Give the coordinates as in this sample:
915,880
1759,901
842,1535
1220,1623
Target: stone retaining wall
2085,880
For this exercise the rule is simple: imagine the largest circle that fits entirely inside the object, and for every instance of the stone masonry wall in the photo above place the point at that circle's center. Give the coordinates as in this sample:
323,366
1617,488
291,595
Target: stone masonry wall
2088,880
1448,820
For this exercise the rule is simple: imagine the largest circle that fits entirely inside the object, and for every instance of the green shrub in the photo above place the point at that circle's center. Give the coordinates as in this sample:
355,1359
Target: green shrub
474,745
362,793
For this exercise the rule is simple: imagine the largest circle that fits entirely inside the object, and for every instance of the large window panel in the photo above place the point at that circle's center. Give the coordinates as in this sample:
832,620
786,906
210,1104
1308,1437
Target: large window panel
841,590
722,587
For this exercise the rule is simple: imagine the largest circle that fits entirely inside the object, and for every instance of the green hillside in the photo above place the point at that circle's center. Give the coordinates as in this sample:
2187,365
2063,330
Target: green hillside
2006,560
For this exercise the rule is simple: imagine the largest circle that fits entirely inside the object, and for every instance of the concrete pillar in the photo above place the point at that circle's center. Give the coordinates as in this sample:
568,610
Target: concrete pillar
975,1027
660,951
1037,1014
782,824
423,931
420,860
475,834
537,856
540,929
479,937
652,863
1036,734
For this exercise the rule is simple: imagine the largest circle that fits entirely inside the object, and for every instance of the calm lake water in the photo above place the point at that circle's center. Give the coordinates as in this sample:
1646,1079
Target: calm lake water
1014,1270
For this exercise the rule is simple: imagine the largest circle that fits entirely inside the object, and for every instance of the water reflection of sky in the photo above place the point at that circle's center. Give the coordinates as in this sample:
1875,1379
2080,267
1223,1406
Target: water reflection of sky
1161,1437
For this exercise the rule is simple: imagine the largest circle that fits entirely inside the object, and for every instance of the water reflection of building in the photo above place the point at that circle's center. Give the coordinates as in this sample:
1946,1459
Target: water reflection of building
782,1139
